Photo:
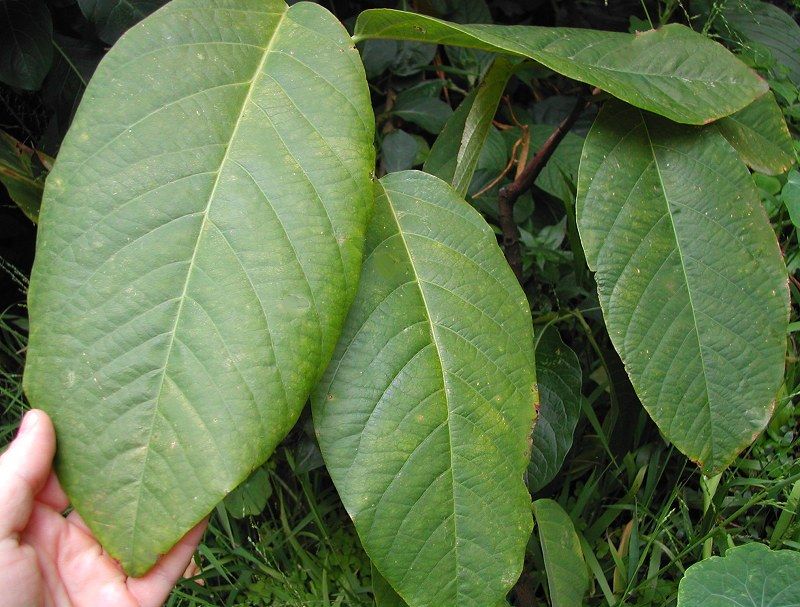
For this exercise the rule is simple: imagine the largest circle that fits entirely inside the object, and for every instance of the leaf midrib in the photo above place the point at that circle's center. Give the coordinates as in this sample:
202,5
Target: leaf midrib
707,401
257,72
418,281
534,53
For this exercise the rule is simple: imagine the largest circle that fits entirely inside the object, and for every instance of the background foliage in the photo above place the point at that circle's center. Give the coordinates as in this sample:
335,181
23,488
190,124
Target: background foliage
641,513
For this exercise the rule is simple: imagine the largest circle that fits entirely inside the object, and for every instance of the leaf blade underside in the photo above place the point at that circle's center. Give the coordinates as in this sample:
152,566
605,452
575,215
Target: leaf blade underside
199,245
672,71
424,414
690,278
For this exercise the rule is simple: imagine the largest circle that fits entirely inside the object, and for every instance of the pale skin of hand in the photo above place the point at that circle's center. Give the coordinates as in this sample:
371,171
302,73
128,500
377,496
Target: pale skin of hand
48,560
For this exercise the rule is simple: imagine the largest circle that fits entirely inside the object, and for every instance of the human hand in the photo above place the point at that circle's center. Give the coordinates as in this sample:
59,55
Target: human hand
48,560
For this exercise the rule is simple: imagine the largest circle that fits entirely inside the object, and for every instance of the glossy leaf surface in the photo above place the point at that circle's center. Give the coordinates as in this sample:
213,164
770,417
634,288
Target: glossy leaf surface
760,135
424,414
558,374
567,576
200,241
751,575
672,71
689,275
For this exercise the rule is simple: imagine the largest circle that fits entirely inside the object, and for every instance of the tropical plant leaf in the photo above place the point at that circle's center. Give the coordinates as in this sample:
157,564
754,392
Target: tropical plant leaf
112,18
456,151
424,414
760,135
17,174
751,21
750,575
567,576
690,278
672,71
559,377
200,242
26,51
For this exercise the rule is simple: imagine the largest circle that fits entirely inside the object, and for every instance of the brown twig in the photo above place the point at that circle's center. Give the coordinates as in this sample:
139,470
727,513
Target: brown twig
437,62
522,141
509,194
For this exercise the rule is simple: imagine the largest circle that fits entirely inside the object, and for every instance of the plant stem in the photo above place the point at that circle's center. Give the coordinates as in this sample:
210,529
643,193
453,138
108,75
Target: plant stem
509,194
709,487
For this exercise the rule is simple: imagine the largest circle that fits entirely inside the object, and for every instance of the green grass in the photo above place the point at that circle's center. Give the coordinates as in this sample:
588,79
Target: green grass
300,551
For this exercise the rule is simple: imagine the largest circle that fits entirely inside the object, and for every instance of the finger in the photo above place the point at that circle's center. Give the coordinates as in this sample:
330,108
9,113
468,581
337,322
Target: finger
152,589
75,518
24,470
53,495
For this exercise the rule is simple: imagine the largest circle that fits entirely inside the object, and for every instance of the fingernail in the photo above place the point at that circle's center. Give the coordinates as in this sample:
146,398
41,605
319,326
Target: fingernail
29,422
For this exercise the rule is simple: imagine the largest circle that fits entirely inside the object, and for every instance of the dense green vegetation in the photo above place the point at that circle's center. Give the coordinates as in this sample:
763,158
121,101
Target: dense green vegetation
638,513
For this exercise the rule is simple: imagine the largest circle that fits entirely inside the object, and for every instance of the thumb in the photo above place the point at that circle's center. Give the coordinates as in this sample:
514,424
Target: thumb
24,470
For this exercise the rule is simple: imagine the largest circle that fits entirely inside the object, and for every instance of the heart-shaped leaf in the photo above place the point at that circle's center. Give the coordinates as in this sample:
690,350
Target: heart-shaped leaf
751,575
689,275
673,71
200,242
424,414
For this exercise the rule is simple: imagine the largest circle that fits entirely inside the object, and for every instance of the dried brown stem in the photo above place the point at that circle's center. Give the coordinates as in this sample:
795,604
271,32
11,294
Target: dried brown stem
509,194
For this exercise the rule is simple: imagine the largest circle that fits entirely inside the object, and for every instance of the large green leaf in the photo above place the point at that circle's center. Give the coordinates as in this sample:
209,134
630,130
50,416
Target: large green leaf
424,414
673,71
26,50
567,576
558,373
111,18
760,135
200,242
750,575
689,275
